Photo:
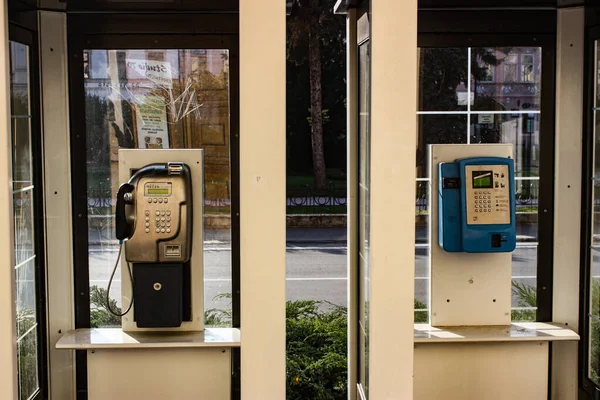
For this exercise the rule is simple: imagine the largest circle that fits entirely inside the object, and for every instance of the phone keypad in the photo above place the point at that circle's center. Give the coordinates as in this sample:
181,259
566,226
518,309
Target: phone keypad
483,201
162,223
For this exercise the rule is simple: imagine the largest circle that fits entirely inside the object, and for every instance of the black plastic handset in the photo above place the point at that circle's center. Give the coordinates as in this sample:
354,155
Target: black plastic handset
122,228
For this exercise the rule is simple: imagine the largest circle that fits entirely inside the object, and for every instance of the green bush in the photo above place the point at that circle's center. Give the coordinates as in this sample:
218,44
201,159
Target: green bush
99,314
316,350
526,297
421,317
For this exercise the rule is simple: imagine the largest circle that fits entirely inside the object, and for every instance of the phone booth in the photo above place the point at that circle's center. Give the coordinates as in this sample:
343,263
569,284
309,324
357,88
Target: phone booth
160,227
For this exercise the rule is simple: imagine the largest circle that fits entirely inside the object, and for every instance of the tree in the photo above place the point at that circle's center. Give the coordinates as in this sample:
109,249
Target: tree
312,29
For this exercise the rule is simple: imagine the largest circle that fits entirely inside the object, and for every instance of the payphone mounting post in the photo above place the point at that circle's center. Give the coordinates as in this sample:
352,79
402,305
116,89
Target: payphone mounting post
167,275
467,288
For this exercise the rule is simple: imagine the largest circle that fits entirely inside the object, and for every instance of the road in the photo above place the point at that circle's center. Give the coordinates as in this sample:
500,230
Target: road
314,271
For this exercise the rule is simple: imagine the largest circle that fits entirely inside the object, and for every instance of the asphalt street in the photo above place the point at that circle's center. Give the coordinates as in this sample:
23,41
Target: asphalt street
314,270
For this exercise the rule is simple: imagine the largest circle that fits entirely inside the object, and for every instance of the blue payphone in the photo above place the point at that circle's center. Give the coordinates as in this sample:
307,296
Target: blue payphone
477,205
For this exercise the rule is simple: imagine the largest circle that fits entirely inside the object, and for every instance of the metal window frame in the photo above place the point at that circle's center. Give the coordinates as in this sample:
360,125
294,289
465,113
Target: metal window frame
29,38
102,31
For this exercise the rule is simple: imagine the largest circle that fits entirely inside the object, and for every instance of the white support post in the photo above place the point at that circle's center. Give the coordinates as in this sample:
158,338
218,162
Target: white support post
262,195
567,197
8,332
393,153
57,196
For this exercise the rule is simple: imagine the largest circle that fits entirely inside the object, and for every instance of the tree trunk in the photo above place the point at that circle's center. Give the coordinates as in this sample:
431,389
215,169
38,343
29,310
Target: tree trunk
316,98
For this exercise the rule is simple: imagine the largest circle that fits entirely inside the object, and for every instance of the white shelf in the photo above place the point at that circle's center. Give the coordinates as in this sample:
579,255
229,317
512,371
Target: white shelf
516,332
115,338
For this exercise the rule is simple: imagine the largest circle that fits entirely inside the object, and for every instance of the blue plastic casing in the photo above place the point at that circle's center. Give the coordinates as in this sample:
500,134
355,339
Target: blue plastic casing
454,234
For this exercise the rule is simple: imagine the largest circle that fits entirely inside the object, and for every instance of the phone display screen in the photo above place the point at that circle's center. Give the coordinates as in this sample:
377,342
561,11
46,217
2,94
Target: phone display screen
482,180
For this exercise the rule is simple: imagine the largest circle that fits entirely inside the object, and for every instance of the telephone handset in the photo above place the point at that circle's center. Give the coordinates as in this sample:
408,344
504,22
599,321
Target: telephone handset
154,214
476,210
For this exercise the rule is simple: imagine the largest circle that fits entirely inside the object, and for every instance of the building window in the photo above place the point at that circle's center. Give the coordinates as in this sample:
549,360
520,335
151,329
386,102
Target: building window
510,68
527,68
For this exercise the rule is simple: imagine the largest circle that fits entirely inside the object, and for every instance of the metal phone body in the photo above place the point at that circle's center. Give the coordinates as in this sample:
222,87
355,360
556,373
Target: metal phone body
161,214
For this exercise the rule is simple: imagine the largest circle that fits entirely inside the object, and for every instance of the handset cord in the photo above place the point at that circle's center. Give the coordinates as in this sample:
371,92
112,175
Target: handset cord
116,314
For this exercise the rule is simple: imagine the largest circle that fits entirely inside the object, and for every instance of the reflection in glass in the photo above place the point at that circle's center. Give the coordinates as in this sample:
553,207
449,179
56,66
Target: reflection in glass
158,99
364,181
19,80
506,79
597,145
21,144
520,130
23,208
27,360
442,79
438,129
23,225
25,296
597,74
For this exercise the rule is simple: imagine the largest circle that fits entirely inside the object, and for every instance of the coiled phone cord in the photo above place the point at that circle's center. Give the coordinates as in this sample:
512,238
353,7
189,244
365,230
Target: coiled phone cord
116,314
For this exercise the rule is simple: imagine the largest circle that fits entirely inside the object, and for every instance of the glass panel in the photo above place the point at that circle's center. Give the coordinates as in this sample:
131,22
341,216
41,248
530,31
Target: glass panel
364,207
158,99
25,292
597,145
21,142
27,359
521,130
597,75
19,79
506,78
595,278
443,79
438,129
23,216
25,262
594,372
421,253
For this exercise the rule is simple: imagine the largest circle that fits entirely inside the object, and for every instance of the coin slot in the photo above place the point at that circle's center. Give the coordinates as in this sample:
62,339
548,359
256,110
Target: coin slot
172,250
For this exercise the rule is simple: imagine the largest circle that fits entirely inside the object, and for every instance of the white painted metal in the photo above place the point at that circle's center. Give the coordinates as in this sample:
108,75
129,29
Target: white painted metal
262,194
57,199
130,159
567,194
466,289
182,374
482,371
8,334
115,338
352,202
393,144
